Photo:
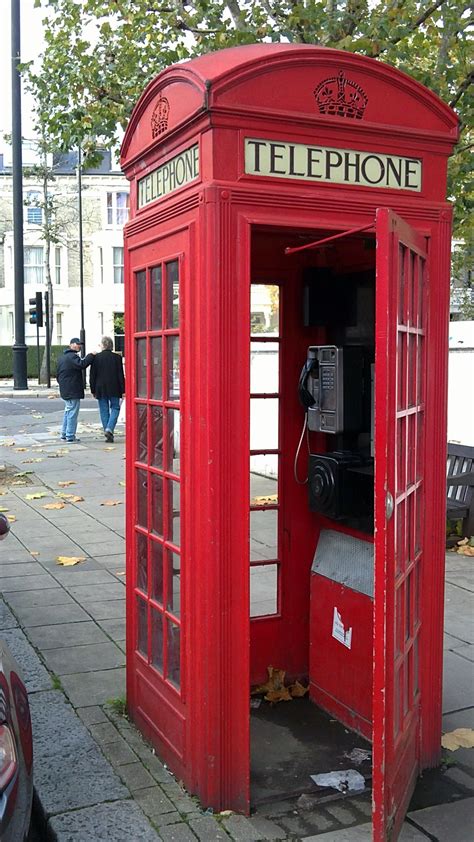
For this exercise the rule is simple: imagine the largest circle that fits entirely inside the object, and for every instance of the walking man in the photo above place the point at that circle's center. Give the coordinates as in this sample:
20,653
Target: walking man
108,385
71,386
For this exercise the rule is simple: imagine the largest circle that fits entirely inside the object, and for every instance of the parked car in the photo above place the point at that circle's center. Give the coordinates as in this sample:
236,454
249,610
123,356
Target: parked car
16,745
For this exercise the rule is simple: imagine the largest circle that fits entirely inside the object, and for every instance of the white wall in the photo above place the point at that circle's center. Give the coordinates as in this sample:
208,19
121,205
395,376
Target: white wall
461,383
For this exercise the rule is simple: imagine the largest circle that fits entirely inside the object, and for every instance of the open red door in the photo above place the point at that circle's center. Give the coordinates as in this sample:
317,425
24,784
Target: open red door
399,515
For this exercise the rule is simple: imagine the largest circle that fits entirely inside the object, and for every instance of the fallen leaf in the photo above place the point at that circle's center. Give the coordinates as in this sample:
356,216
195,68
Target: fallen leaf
8,444
11,518
274,696
463,542
120,572
52,397
66,483
3,468
36,415
34,552
18,482
297,690
2,493
466,550
459,738
122,482
71,498
22,473
29,461
111,503
54,506
3,509
21,449
108,448
263,501
68,561
36,495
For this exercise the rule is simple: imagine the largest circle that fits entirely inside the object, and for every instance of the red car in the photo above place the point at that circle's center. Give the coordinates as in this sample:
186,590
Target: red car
16,746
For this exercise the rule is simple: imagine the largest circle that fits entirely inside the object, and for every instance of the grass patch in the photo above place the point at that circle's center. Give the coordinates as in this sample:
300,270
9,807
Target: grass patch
118,705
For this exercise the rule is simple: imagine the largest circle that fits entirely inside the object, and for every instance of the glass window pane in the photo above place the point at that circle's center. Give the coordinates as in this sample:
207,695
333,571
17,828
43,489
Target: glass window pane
264,479
264,367
174,583
142,627
173,368
142,498
157,504
156,369
264,309
263,590
156,571
264,423
156,436
142,446
263,534
172,293
142,563
157,639
141,388
174,513
174,672
156,313
174,438
140,301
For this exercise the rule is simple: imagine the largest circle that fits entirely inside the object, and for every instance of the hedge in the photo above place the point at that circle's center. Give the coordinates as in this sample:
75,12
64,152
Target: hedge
6,360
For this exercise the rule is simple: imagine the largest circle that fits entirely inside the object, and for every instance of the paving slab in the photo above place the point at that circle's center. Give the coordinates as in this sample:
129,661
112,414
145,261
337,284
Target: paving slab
114,628
94,688
121,821
89,593
43,615
31,568
110,610
363,833
458,682
459,617
84,658
453,822
80,575
41,598
28,583
61,635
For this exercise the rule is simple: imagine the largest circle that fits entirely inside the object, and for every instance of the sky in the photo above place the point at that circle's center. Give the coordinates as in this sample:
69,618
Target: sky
31,46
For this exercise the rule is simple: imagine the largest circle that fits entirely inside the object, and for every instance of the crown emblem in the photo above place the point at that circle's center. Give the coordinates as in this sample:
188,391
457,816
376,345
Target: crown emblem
159,118
339,97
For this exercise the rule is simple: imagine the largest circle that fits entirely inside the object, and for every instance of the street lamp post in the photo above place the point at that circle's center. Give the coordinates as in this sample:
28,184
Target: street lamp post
82,333
20,380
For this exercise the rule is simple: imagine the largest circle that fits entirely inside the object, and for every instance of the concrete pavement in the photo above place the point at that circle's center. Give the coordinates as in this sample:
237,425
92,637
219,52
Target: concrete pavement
95,776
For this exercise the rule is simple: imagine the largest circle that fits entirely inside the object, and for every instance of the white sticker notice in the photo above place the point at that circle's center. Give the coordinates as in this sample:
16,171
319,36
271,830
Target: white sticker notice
339,632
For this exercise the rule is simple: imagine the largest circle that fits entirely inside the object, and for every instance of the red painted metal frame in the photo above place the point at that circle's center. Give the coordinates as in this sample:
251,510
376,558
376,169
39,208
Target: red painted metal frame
216,101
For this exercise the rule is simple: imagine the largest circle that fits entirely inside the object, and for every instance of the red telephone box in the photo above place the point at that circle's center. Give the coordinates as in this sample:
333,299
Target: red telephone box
287,292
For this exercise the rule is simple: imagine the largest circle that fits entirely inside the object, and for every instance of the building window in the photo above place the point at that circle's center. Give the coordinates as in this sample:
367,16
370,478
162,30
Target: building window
34,265
101,264
59,328
34,211
57,264
118,264
117,208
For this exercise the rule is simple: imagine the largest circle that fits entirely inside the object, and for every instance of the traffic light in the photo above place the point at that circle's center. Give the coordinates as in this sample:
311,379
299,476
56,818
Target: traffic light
36,310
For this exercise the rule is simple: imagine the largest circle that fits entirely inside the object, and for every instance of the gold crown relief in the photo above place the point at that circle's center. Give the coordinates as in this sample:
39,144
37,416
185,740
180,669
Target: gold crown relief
339,97
159,118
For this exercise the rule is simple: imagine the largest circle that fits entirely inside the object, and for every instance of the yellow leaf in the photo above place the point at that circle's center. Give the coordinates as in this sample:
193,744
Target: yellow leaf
3,509
11,518
66,483
54,506
8,444
122,482
36,415
34,552
18,482
21,449
36,496
459,738
29,461
108,448
111,503
71,498
68,561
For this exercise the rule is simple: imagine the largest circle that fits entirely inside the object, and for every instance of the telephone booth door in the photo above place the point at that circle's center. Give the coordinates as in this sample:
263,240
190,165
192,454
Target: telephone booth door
401,517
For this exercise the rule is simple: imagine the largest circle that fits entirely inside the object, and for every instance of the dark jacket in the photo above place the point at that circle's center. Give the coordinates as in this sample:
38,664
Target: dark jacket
69,374
107,380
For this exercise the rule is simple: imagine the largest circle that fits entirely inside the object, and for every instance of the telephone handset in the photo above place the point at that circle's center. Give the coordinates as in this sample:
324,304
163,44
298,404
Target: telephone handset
331,387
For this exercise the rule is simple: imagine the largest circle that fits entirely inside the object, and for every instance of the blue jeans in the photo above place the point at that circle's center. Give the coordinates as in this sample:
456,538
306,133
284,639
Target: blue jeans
109,409
71,411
